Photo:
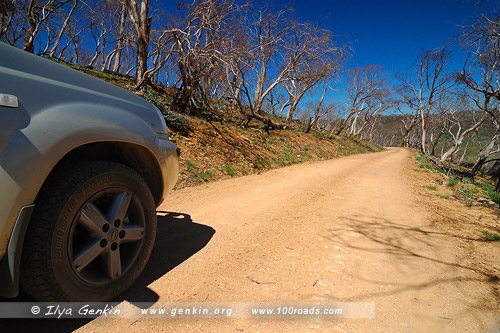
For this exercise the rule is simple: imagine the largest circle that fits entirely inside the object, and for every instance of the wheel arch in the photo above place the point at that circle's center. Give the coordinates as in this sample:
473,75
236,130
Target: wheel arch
134,156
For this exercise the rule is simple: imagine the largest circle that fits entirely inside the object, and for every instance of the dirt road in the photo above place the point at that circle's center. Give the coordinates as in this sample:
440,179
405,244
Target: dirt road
346,230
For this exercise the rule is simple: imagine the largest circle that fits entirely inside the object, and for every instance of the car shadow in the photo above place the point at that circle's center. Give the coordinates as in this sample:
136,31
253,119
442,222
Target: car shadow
178,238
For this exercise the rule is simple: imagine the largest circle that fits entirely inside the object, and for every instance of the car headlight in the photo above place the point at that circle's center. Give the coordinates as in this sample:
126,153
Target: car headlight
163,130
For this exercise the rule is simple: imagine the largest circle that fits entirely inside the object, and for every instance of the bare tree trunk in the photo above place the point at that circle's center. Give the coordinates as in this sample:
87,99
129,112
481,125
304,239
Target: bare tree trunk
36,16
32,30
316,113
459,139
435,142
7,16
423,138
287,103
120,42
63,28
139,14
483,155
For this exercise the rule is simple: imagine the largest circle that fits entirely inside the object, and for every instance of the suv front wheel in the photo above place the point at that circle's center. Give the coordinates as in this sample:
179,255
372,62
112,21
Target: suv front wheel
90,236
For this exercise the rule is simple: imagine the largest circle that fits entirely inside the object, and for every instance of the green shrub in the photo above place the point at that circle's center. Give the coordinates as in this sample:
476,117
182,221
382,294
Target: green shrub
467,180
494,196
485,186
177,121
230,169
491,236
203,176
173,120
190,166
452,182
467,191
422,158
426,166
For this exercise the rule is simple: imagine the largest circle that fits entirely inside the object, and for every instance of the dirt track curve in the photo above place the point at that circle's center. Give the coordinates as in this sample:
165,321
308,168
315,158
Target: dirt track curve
345,230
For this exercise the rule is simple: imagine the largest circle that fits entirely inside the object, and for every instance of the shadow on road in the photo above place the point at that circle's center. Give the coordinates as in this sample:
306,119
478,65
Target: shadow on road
178,238
408,245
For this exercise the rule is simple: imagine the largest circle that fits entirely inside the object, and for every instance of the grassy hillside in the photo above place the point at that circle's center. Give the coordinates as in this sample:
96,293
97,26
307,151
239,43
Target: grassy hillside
217,150
223,148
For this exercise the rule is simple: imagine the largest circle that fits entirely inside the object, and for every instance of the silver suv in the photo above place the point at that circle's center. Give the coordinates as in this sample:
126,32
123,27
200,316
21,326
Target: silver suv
83,166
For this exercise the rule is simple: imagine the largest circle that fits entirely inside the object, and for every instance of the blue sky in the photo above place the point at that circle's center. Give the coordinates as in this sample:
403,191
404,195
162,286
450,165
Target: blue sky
390,33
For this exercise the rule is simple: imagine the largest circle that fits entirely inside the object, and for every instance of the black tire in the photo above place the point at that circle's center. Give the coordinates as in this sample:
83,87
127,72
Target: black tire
91,234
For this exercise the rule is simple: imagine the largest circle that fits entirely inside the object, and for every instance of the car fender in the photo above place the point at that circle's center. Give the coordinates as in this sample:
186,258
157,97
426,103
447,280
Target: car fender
30,153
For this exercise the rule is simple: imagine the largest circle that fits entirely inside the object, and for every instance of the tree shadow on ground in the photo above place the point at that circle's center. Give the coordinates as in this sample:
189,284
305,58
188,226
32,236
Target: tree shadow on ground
178,238
406,245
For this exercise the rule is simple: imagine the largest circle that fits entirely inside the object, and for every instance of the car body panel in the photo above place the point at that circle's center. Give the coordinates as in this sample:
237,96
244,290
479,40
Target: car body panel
60,109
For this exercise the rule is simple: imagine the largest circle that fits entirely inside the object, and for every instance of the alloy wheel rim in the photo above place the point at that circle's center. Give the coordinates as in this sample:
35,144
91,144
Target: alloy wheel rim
106,236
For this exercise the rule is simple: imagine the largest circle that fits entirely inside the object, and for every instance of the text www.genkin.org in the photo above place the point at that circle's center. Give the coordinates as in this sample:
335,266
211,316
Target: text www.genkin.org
188,311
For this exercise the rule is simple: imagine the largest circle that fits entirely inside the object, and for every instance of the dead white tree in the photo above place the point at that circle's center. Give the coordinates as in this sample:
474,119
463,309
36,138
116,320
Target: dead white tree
368,94
409,118
481,73
121,41
63,28
441,120
200,46
100,28
139,15
457,131
312,58
314,119
8,11
424,88
74,32
37,12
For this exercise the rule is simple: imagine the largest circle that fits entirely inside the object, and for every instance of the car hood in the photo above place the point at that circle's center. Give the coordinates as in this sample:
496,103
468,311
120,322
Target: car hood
22,63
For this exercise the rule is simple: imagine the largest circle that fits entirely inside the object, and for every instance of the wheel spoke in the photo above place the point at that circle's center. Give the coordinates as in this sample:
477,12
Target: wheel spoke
86,256
133,234
113,262
119,207
92,219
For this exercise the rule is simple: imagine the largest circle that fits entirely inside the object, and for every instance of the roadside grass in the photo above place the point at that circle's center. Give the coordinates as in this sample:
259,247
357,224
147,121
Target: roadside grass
468,193
190,166
424,162
494,196
465,188
203,176
422,158
471,190
490,236
427,166
490,191
230,169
